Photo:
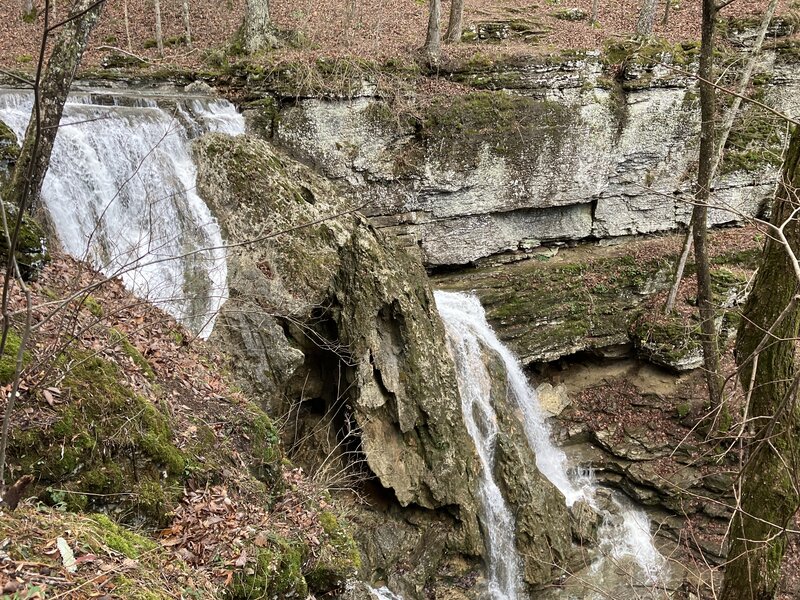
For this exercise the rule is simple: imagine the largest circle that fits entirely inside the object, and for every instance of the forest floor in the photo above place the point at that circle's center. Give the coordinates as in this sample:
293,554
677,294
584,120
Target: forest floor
364,30
150,395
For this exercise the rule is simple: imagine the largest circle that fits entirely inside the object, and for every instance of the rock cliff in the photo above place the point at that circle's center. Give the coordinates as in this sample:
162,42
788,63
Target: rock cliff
579,147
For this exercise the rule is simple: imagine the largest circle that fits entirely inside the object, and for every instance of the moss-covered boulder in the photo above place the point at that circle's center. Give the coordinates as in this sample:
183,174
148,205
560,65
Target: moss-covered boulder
31,251
352,316
9,149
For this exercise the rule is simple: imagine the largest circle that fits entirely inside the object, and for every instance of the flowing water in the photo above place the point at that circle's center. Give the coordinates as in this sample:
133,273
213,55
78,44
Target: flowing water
121,194
626,535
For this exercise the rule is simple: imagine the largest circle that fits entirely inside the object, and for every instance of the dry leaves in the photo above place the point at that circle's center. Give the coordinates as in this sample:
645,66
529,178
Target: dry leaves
368,29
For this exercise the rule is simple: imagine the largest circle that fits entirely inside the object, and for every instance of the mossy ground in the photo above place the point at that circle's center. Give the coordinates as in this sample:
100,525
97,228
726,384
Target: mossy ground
131,564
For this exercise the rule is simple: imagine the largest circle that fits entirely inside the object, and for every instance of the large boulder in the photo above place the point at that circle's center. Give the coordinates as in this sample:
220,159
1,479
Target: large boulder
322,306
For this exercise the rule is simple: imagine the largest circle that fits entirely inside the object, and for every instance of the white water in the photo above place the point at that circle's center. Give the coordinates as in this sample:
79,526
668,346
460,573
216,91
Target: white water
121,193
384,593
468,332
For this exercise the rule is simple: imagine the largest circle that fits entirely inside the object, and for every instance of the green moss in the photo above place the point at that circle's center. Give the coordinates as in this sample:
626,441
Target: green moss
277,572
8,361
683,409
337,560
117,338
266,462
31,250
120,539
650,53
9,150
110,440
93,306
504,123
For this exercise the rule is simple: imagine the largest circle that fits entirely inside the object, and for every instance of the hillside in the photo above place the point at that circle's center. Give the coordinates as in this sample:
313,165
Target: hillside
162,478
364,30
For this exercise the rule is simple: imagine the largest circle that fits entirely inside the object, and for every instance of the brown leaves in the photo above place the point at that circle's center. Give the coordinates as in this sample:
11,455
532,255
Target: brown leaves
210,529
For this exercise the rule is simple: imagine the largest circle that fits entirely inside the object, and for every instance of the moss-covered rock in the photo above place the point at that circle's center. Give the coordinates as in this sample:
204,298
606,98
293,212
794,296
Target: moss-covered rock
510,126
115,446
338,560
277,573
548,308
9,149
31,251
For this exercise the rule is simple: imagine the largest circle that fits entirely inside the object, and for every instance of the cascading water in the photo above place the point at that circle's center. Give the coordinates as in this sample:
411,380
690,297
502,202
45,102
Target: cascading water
120,191
468,334
474,386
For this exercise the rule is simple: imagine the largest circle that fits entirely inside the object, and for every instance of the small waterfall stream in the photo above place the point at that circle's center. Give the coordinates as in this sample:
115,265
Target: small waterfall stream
121,193
627,536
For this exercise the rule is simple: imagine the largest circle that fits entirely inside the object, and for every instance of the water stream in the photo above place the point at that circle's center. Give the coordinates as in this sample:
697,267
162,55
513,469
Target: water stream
121,194
625,534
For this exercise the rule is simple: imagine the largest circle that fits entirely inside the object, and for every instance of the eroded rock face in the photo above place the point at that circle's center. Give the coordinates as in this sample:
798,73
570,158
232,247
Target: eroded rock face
314,292
543,529
567,150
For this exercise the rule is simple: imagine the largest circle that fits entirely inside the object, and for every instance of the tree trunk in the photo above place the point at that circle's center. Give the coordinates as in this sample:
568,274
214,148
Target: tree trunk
127,24
768,372
647,18
665,20
456,24
730,117
258,32
700,211
433,39
26,181
595,7
159,35
187,24
27,9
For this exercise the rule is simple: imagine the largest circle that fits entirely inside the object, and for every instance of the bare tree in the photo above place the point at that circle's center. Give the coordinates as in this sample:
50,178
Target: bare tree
258,32
647,18
127,24
456,24
28,10
159,35
766,350
667,6
700,210
433,38
730,117
187,24
595,7
50,90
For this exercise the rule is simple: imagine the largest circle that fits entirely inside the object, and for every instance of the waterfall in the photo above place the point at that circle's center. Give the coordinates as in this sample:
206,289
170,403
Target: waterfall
468,334
120,191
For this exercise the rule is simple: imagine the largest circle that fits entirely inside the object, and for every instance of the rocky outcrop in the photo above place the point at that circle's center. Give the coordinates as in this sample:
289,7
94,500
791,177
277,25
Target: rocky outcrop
323,310
600,300
543,530
544,150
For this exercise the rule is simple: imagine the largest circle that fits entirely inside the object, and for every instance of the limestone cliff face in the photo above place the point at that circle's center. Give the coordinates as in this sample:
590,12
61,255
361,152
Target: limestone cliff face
316,291
541,151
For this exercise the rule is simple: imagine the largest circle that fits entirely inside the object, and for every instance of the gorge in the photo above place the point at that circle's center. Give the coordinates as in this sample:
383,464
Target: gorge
301,234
